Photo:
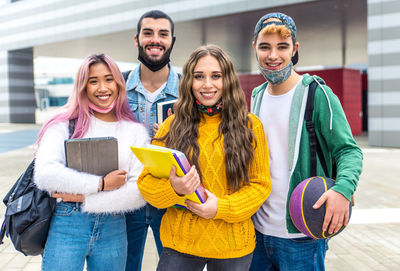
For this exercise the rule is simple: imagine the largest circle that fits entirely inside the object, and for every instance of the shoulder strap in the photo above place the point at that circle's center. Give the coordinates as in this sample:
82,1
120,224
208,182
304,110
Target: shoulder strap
2,231
322,160
125,74
315,147
71,127
311,128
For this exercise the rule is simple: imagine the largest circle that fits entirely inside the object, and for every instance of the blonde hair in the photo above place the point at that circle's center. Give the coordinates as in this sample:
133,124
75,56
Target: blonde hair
281,30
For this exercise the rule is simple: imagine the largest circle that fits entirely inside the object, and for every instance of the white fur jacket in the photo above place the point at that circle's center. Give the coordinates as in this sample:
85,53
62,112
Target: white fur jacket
52,175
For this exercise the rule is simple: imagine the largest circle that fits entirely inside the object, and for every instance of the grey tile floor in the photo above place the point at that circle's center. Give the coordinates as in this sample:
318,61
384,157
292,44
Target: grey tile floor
370,242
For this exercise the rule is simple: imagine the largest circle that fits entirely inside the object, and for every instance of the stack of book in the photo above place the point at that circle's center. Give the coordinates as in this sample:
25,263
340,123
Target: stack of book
159,161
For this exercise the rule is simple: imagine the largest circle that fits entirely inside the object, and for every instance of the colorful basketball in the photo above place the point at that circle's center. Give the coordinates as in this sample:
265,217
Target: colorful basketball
307,219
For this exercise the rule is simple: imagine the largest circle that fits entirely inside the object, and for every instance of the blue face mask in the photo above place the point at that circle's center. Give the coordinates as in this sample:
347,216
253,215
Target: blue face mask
276,77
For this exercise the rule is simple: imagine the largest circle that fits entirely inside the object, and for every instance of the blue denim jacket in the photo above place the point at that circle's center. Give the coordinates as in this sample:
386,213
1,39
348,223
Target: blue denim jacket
137,99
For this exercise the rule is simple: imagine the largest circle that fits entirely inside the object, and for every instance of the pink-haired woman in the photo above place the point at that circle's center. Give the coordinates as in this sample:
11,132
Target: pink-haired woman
89,222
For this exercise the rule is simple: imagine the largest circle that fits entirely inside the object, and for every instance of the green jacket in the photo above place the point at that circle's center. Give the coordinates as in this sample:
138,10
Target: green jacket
333,133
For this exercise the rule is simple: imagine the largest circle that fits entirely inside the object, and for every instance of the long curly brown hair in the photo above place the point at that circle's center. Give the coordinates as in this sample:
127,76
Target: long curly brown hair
235,126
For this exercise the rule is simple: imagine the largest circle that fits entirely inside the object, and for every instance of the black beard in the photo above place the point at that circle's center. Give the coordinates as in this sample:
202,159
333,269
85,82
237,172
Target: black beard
155,65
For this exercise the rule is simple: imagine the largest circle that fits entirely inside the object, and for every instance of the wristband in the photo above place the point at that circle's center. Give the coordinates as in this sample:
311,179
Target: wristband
102,183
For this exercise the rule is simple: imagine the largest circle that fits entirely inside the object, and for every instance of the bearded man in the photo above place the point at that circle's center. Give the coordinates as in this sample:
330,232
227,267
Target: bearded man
152,82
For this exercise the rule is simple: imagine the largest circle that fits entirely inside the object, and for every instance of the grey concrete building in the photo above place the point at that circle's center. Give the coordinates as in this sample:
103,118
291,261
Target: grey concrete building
384,72
332,33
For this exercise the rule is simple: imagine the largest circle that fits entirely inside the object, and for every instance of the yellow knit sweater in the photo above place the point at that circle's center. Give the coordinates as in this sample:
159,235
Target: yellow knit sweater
230,234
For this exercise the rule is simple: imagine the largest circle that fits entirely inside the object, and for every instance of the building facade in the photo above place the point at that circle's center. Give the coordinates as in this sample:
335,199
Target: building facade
384,72
332,33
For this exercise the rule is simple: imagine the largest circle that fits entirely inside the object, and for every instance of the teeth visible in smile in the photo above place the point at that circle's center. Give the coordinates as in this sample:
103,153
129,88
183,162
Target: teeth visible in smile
155,49
104,97
273,65
208,94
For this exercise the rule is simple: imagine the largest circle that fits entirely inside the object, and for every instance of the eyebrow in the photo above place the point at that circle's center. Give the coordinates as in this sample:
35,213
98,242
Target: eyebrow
267,43
95,77
150,29
203,72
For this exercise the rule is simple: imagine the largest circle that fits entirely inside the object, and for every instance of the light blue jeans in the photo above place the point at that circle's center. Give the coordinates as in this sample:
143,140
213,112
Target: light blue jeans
75,236
297,254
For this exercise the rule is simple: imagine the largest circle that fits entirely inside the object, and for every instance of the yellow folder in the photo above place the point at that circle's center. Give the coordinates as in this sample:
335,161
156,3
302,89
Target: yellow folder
159,161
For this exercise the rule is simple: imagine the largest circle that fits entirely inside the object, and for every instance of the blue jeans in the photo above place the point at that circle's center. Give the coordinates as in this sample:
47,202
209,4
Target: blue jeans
297,254
172,260
137,223
75,236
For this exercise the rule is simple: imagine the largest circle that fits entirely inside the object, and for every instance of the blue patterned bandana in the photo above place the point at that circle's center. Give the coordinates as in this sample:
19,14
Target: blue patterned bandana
210,110
276,77
286,21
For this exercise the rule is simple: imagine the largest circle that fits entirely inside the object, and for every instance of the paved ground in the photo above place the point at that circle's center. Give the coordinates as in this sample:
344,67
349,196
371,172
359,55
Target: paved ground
370,242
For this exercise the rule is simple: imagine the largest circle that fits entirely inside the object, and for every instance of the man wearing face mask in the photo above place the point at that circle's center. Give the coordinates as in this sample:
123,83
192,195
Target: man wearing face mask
152,82
280,104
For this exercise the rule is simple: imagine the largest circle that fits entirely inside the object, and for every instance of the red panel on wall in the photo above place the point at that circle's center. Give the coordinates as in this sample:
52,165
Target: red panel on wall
248,83
364,88
345,83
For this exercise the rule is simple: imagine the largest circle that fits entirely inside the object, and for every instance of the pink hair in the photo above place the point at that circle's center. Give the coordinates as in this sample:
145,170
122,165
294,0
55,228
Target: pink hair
77,105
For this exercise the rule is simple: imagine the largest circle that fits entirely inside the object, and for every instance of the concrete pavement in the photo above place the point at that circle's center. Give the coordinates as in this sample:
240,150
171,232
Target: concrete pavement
370,242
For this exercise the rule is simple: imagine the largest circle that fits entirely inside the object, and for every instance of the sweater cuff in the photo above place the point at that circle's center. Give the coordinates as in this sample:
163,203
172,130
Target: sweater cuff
93,185
162,196
346,192
223,209
171,195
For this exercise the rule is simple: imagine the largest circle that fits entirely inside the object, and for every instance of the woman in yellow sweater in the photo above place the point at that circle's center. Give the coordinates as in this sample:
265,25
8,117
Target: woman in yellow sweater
229,153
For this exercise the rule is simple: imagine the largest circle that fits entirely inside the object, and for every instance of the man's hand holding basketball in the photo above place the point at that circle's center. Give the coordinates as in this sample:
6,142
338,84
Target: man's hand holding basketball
337,210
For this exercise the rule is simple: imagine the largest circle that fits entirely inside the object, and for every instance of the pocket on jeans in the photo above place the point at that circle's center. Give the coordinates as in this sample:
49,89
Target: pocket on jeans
303,240
118,215
64,209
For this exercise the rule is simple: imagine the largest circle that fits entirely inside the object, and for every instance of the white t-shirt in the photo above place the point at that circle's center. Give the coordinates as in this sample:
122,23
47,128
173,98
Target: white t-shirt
270,219
150,98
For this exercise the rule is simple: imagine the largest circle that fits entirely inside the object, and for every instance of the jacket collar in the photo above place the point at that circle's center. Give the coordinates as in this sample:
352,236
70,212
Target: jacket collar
171,88
259,89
